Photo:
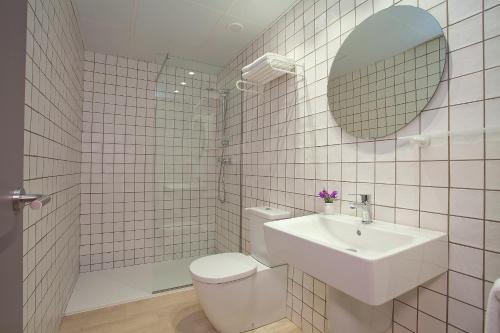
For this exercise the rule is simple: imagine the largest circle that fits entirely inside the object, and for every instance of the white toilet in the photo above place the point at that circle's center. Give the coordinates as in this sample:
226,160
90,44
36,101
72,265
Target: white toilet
239,292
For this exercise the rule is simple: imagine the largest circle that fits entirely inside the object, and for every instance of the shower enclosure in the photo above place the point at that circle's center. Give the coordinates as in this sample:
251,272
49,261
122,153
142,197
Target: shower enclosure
192,170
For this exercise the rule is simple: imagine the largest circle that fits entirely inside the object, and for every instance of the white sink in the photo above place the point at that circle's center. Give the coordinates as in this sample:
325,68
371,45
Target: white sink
373,263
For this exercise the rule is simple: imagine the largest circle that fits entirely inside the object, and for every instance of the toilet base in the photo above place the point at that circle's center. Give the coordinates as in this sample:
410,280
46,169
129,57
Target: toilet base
245,304
270,299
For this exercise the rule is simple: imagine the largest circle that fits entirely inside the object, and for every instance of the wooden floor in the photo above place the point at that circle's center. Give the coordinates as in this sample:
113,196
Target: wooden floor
177,312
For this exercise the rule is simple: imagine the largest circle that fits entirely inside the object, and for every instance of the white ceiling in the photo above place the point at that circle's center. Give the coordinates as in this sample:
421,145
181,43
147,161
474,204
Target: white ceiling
189,29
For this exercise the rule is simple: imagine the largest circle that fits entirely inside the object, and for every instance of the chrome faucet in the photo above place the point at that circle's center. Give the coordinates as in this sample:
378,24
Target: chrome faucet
365,208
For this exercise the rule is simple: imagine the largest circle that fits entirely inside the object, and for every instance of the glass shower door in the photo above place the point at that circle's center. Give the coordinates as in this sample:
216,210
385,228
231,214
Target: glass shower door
185,162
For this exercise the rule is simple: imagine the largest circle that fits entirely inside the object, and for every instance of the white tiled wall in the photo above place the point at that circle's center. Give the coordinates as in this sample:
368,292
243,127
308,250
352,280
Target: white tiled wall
292,148
52,155
147,170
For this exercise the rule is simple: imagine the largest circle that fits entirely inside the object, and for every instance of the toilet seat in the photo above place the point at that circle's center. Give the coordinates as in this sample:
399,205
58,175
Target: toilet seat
222,268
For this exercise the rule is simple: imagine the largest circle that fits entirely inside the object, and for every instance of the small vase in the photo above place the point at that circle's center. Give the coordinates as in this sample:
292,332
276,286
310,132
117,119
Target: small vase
329,208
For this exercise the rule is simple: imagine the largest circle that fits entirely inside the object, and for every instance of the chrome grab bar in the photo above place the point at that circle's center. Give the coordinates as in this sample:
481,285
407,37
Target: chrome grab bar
36,201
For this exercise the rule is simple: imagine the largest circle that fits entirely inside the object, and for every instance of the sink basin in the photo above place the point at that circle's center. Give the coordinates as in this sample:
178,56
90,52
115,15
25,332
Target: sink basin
373,263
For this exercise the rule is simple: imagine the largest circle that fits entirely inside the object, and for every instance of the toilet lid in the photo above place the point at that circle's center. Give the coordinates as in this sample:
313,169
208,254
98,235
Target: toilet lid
223,267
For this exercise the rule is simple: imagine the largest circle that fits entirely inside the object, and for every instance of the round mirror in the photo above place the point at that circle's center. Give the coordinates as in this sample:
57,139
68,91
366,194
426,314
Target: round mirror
386,71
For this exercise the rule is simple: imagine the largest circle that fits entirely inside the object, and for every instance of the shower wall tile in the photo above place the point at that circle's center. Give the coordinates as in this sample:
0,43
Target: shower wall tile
292,148
52,156
147,172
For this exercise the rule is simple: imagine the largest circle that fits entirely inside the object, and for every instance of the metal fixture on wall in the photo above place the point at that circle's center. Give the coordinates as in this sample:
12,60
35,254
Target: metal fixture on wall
36,201
224,142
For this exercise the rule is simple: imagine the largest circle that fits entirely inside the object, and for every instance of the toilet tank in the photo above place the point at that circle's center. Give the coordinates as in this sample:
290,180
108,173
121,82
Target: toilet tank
257,216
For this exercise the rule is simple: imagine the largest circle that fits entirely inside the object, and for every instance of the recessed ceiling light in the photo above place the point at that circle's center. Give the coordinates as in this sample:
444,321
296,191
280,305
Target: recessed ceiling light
183,83
191,73
176,91
235,27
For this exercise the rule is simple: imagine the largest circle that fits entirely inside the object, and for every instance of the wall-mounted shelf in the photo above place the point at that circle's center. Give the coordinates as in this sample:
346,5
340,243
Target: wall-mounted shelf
265,69
463,136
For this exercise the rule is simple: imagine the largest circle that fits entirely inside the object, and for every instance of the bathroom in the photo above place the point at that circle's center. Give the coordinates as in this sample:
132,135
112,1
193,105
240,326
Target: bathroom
281,166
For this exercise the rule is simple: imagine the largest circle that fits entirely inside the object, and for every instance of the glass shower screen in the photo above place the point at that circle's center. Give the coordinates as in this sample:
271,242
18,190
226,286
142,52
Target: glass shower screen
185,167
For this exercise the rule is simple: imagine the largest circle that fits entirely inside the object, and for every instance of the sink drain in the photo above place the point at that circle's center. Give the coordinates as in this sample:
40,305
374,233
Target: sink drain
352,250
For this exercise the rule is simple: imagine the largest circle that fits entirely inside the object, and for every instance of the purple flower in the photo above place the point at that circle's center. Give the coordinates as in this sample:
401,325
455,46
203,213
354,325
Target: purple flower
328,197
